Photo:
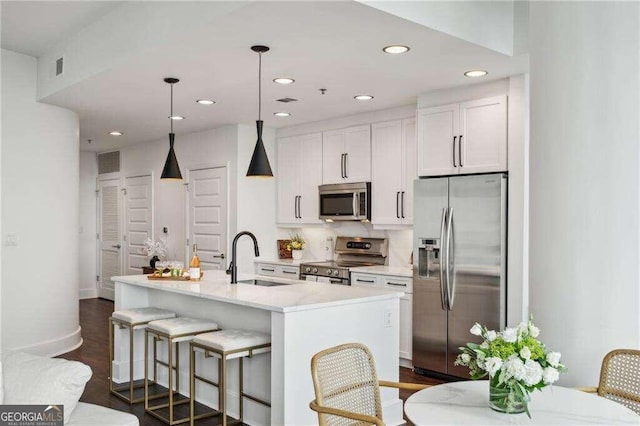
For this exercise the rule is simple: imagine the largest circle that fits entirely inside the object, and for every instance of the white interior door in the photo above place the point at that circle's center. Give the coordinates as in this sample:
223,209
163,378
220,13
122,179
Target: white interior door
109,236
207,213
138,222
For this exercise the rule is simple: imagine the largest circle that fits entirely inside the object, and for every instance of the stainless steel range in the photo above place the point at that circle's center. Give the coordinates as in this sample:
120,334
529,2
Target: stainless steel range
350,252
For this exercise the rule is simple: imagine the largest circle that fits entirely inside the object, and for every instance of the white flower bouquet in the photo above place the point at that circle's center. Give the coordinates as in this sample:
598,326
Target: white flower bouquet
516,362
156,248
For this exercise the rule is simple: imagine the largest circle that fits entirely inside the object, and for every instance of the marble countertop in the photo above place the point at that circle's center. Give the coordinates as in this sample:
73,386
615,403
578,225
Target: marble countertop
396,271
296,296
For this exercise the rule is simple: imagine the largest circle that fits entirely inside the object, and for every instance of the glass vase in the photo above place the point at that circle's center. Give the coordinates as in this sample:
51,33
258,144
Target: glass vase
504,399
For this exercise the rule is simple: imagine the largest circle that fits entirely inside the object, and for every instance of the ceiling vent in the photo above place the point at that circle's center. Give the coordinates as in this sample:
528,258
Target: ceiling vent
109,162
287,100
59,66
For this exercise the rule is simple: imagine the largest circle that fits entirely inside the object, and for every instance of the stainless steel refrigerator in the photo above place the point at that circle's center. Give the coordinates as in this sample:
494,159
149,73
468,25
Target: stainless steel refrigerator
459,270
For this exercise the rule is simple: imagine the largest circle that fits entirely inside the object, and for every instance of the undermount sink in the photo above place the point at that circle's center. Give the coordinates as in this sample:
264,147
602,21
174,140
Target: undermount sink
261,283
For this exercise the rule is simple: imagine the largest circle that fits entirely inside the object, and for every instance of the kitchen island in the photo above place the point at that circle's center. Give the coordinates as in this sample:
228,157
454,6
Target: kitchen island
302,317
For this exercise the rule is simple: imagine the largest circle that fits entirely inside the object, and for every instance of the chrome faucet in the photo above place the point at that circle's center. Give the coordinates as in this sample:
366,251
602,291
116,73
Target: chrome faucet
233,269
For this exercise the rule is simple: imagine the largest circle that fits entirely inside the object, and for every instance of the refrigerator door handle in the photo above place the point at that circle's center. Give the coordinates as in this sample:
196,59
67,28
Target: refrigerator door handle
442,263
447,247
451,289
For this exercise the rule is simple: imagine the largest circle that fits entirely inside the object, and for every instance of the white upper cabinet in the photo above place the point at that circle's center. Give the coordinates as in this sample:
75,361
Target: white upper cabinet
470,137
393,162
346,155
299,174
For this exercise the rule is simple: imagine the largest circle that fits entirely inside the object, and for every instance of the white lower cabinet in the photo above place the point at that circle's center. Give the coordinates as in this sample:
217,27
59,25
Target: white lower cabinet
275,270
390,282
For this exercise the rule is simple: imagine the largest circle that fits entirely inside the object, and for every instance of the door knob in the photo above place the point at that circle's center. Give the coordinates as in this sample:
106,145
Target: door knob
220,256
117,246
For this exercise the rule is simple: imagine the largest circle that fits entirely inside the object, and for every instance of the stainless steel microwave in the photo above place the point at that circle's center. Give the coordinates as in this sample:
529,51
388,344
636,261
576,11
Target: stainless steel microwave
345,201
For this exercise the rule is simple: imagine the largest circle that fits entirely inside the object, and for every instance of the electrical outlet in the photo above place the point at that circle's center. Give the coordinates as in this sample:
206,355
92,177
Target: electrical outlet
388,318
11,240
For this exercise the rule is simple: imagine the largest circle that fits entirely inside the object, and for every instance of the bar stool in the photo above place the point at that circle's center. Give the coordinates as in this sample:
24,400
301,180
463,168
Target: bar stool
226,345
131,319
173,331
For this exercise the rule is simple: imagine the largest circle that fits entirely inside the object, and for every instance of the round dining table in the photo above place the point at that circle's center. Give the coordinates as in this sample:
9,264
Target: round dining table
467,403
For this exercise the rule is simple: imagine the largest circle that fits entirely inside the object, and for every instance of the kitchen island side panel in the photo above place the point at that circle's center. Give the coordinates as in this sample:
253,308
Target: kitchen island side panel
297,336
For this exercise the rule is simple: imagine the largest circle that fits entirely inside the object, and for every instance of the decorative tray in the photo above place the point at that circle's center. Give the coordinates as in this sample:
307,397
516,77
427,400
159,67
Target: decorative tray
159,278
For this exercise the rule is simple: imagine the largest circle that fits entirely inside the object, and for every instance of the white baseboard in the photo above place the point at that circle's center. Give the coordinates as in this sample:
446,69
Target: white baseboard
406,363
54,347
88,293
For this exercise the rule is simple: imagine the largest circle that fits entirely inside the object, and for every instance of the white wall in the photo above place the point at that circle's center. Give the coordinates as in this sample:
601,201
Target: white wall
40,176
516,88
87,239
585,165
486,23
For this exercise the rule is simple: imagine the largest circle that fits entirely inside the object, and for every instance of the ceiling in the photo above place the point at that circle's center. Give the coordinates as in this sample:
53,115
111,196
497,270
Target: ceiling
31,27
331,45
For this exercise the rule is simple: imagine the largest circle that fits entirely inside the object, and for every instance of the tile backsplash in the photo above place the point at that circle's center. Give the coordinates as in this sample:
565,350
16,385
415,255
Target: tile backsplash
400,241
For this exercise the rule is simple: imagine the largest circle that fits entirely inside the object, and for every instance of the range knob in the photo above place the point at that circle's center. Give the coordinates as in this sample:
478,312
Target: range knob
328,271
336,272
315,270
307,269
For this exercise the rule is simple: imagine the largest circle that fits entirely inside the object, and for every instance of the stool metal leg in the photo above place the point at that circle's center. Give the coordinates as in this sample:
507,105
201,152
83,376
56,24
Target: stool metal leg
146,368
241,387
111,355
131,363
223,390
192,384
170,362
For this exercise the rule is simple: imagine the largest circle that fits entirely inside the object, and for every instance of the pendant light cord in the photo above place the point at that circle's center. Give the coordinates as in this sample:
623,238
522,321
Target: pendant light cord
259,86
171,113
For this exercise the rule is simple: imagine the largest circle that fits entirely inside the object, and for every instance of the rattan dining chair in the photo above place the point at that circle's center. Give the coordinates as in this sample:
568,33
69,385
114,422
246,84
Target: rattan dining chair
620,378
347,386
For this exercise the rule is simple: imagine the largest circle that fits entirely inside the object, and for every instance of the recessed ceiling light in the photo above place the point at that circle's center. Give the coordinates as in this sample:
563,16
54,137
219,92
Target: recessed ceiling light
476,73
396,49
281,114
205,102
283,80
363,97
176,117
115,133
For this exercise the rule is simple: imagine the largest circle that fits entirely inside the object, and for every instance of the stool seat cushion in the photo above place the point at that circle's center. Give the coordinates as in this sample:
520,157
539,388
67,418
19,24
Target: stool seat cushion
230,340
138,315
182,325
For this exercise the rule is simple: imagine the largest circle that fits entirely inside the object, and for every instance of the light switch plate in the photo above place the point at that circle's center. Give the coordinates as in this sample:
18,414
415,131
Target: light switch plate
388,318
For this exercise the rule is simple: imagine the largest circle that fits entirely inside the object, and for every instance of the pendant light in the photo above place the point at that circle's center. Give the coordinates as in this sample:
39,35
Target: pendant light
259,165
171,169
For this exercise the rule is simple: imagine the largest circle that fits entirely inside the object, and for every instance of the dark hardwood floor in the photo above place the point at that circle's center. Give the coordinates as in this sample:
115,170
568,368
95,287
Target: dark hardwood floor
95,353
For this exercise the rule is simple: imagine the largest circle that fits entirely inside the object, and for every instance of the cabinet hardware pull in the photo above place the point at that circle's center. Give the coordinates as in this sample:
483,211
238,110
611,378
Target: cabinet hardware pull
397,284
397,205
268,270
460,150
402,204
454,151
342,166
365,281
299,197
346,165
290,272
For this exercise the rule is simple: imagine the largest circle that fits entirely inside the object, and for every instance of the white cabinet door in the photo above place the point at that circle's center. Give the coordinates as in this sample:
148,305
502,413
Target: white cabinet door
437,152
410,165
484,135
332,156
357,147
288,176
386,172
406,327
311,175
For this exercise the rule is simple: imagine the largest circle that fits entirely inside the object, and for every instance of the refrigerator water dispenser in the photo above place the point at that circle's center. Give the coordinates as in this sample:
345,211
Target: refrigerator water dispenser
428,256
